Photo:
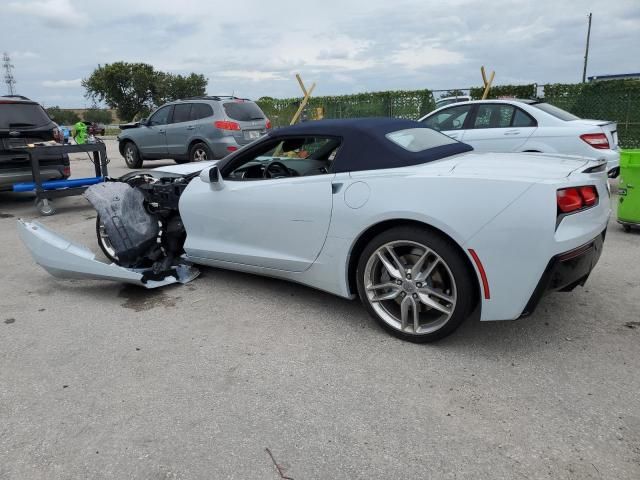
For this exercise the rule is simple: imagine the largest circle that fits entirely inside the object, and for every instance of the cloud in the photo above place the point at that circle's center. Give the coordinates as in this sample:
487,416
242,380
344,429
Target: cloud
53,13
368,45
23,55
414,57
253,75
62,83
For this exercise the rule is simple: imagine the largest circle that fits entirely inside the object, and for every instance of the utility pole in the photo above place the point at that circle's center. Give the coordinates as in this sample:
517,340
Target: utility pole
8,76
586,52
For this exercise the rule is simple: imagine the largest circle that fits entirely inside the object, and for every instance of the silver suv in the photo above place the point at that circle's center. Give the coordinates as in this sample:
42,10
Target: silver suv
193,129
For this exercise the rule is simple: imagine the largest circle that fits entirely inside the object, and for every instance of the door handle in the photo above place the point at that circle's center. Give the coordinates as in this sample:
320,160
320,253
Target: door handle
191,127
512,132
162,132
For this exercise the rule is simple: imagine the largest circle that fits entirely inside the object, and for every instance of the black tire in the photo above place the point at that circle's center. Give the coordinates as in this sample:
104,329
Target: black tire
200,151
131,155
457,266
626,228
102,243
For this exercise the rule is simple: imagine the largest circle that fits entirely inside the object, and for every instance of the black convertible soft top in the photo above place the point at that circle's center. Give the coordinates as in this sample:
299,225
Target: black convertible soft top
365,146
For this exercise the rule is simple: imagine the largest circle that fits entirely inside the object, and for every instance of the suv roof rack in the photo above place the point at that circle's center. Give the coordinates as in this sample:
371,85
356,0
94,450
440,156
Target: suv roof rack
215,97
22,97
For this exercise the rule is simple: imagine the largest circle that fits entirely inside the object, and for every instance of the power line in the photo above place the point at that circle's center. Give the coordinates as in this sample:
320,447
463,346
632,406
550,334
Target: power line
8,75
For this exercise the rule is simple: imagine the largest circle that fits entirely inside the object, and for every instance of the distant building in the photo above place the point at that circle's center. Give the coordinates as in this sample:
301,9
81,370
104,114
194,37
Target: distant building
619,76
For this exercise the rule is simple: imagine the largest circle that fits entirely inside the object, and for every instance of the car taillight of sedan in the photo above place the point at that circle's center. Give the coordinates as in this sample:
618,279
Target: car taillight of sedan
596,140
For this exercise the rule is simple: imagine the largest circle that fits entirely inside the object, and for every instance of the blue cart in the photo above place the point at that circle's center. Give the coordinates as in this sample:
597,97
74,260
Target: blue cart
47,191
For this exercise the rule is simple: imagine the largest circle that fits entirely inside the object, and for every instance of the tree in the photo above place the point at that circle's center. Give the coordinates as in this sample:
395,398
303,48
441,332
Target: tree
63,117
173,87
134,89
98,115
127,87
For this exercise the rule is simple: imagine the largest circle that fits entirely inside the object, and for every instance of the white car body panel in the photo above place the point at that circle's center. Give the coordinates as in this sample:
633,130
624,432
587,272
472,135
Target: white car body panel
305,229
552,135
283,225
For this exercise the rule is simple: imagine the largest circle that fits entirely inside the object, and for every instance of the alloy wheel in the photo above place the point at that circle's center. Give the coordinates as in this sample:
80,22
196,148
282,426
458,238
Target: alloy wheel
199,154
410,287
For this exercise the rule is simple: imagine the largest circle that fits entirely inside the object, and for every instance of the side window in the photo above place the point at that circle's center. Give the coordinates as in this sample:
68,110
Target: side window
181,113
291,157
200,110
494,116
449,119
161,116
522,119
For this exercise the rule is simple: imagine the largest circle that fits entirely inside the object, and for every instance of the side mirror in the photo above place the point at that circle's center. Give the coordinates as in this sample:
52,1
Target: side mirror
212,177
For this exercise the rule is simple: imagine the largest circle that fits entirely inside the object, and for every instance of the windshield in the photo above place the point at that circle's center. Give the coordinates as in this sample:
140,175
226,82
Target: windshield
419,139
22,115
555,111
243,111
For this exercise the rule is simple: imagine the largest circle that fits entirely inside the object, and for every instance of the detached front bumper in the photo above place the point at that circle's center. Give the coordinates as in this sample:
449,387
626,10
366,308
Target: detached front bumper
566,271
65,259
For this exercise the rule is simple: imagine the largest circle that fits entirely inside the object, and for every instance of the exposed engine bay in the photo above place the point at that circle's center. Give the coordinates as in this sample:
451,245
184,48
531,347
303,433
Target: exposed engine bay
141,223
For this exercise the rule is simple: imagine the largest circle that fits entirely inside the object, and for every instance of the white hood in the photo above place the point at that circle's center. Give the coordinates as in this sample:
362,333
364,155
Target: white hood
186,168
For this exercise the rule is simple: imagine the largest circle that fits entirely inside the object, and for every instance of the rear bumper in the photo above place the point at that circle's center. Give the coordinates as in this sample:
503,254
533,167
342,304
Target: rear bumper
567,270
17,169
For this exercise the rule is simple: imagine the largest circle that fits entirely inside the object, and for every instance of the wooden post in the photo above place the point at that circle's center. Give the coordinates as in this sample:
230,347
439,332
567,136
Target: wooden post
487,84
305,100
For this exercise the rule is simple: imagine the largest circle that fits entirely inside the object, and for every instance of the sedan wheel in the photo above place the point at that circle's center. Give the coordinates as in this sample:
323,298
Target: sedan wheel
414,284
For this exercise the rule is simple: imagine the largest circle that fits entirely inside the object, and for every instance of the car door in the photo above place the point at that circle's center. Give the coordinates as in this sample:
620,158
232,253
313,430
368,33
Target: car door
180,130
151,138
451,121
499,127
275,223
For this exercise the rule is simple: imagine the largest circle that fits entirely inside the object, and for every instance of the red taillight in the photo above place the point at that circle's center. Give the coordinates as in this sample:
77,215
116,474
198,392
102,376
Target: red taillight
596,140
268,124
226,125
66,171
57,135
231,148
589,194
576,198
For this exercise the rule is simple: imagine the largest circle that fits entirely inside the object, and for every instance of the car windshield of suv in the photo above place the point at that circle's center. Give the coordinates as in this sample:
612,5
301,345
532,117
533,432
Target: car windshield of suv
243,111
22,115
555,111
419,139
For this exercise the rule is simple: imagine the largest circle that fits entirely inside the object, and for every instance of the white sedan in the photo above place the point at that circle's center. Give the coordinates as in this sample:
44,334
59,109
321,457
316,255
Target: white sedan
418,226
527,126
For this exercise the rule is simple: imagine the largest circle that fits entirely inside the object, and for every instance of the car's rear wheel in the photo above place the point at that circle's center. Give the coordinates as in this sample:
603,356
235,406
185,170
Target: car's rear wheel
415,284
200,152
131,155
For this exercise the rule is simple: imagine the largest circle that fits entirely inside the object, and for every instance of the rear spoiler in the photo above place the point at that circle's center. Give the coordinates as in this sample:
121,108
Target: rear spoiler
595,166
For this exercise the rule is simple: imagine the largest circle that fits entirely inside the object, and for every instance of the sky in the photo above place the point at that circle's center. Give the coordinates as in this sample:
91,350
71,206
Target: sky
253,48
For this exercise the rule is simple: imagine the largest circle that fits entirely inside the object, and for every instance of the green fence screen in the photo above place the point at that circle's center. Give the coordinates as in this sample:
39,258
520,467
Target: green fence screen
614,100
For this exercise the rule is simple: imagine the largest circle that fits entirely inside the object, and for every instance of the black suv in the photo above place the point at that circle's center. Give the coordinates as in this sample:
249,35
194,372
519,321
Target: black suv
23,122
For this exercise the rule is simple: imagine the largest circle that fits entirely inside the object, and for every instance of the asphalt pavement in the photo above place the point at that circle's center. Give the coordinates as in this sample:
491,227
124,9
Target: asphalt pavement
242,377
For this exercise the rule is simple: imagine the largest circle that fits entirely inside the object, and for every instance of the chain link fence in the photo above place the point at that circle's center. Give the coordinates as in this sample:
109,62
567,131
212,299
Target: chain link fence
613,100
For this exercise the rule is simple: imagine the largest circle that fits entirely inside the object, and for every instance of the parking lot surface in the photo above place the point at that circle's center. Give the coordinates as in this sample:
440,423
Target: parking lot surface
100,380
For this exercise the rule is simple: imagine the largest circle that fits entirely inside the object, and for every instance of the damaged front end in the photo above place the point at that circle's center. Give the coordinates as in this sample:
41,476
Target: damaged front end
140,224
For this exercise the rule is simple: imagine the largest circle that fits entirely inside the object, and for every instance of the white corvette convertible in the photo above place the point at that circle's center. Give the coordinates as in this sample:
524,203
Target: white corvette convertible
414,223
